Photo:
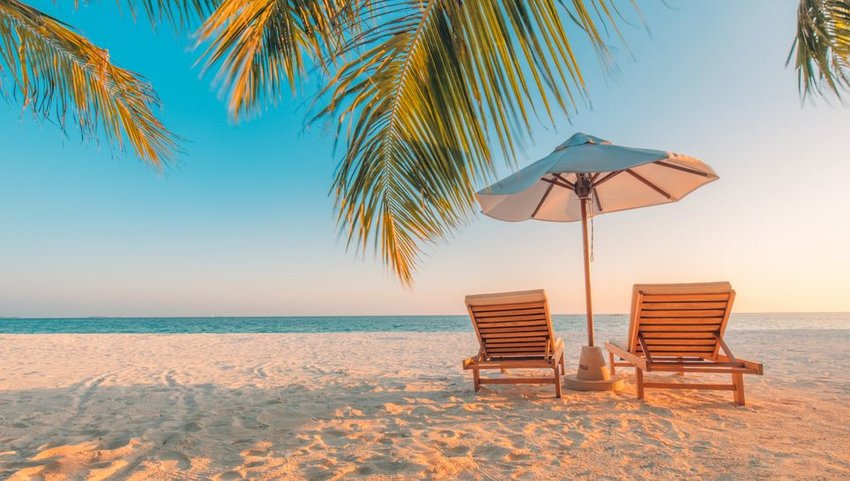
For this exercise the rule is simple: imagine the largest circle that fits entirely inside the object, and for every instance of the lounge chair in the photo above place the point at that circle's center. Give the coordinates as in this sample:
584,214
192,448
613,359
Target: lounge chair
514,330
679,328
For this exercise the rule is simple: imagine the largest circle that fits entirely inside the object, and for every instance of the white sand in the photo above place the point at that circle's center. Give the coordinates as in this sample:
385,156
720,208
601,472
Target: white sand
398,406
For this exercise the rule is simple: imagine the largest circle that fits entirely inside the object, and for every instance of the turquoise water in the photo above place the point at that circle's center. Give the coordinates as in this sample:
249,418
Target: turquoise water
563,323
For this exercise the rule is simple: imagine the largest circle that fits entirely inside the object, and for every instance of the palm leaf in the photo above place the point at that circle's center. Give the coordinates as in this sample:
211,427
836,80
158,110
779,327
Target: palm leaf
426,91
261,47
821,49
62,76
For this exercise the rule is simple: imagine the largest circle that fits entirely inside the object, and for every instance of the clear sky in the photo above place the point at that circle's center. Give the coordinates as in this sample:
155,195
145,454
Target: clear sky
243,225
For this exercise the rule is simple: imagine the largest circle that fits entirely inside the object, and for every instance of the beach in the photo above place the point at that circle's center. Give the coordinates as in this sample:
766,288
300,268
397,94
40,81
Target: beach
383,406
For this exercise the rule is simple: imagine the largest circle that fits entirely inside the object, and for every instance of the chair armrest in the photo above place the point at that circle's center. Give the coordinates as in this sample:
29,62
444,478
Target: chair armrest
755,367
620,351
470,362
558,348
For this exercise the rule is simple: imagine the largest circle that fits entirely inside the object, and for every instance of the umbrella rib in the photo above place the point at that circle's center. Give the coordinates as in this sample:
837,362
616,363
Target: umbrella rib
649,184
558,182
543,199
683,169
606,177
572,186
596,196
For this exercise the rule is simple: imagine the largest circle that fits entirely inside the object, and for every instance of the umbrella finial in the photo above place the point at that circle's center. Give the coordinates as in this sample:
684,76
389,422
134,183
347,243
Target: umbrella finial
580,138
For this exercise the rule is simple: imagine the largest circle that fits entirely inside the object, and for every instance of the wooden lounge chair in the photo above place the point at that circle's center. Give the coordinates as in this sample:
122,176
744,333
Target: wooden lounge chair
679,328
514,330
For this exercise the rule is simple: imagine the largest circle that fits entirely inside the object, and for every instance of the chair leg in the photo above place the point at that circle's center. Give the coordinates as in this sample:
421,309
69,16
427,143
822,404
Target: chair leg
557,382
563,369
639,376
738,381
476,380
611,359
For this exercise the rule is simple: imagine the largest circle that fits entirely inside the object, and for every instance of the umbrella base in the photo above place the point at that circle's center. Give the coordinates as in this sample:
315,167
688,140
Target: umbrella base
573,383
592,373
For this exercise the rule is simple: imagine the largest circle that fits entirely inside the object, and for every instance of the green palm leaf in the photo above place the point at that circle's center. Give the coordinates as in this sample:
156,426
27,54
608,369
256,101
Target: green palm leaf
261,47
62,76
821,49
425,93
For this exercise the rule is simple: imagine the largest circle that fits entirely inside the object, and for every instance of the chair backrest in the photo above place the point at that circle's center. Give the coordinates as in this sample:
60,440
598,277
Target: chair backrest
680,320
512,324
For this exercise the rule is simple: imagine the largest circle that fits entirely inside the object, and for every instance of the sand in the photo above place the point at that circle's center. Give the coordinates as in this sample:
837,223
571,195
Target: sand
383,406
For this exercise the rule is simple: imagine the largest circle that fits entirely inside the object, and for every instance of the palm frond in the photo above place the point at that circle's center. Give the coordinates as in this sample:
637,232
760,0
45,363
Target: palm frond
426,91
821,49
62,76
261,47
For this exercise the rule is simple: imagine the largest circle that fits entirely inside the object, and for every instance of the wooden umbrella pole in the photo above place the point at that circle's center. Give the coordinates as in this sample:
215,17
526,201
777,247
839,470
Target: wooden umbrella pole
585,238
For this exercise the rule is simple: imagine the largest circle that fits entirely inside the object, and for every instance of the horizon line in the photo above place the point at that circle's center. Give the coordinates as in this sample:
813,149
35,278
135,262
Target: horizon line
361,315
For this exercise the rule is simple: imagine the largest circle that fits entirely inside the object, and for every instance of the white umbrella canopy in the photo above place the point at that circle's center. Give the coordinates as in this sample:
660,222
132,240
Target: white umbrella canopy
620,178
583,177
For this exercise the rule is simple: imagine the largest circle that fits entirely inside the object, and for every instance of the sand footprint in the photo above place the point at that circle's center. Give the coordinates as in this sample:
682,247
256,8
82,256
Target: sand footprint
228,476
576,438
100,474
174,461
396,409
32,473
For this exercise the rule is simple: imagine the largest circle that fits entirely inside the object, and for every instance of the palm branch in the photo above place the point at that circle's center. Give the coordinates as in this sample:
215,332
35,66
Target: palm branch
429,87
421,91
262,47
821,49
60,75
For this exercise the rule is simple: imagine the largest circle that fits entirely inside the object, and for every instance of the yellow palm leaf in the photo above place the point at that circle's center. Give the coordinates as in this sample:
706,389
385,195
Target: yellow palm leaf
62,76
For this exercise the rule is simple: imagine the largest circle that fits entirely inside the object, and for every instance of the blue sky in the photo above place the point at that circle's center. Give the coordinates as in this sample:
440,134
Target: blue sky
244,225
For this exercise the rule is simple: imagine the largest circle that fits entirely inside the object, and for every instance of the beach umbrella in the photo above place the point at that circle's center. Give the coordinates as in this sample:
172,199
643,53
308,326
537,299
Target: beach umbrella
584,177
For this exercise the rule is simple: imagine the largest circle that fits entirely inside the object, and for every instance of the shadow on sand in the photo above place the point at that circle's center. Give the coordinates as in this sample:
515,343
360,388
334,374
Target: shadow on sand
398,427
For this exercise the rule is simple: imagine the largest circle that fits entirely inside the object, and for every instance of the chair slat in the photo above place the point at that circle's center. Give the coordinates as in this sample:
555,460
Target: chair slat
683,305
541,344
683,313
677,328
512,335
502,350
680,320
654,349
493,330
678,335
496,320
680,297
484,315
655,355
503,307
484,325
680,342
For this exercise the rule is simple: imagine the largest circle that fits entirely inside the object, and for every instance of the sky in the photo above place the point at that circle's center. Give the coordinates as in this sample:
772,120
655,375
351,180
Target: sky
243,224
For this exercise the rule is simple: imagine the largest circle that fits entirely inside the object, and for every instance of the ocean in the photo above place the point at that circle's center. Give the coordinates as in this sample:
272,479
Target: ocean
319,324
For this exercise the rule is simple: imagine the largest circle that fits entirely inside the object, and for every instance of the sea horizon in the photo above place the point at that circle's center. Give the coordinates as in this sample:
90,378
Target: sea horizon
373,323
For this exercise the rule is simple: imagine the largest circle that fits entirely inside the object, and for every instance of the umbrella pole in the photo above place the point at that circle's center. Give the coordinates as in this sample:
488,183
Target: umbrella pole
592,373
585,238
